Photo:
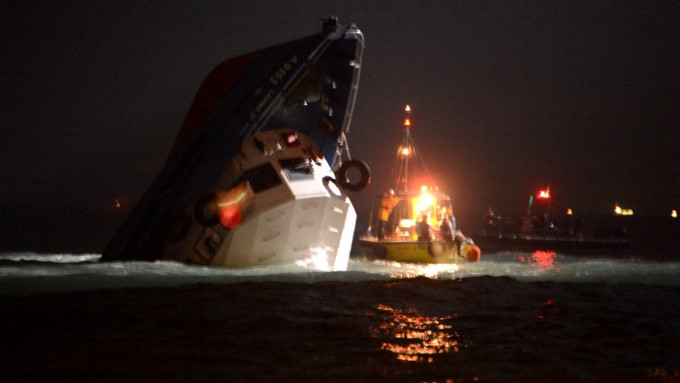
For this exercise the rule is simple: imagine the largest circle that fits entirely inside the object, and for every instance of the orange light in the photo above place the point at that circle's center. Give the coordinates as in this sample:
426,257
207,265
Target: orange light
405,152
407,122
569,212
230,216
232,204
544,194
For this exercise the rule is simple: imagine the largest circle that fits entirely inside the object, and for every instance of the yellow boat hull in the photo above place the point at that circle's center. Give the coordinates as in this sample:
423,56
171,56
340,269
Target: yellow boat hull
418,251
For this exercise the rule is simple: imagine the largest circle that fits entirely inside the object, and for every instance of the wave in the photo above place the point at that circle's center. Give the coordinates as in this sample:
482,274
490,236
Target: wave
24,273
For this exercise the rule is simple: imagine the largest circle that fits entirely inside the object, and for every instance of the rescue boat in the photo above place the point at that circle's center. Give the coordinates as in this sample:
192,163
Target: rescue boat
260,171
414,225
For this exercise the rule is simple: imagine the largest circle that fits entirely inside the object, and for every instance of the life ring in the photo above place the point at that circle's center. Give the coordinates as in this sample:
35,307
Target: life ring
178,227
336,190
363,181
205,210
436,249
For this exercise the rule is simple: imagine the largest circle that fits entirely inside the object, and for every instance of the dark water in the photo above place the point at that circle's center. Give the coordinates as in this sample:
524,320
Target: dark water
521,317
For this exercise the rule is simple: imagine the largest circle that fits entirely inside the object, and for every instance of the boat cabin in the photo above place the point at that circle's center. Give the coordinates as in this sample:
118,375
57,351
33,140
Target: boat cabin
402,217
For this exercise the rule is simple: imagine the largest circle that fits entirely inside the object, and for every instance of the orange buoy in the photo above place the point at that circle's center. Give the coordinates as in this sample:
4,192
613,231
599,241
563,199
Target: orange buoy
474,253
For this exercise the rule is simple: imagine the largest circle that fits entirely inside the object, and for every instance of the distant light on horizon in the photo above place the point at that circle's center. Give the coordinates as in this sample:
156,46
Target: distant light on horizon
618,210
544,194
674,213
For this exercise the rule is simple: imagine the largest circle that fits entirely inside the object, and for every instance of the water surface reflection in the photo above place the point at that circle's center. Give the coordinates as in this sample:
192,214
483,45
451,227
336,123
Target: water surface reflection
542,260
415,337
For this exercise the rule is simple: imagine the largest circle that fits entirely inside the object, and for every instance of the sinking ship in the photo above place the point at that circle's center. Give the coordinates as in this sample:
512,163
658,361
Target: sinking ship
260,171
412,223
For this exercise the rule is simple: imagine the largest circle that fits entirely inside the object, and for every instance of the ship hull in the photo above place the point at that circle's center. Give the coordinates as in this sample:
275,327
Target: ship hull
290,211
240,120
417,251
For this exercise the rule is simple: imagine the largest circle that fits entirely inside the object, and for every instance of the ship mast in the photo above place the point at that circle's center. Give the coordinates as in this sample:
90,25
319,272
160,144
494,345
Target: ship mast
404,155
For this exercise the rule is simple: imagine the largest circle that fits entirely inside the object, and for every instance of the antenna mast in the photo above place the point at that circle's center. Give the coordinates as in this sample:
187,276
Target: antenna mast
405,154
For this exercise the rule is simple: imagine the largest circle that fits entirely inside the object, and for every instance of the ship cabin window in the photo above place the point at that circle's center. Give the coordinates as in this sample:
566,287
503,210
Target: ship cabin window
297,169
261,178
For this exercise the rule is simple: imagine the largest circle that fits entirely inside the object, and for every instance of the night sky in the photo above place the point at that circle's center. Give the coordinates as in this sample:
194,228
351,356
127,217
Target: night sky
507,97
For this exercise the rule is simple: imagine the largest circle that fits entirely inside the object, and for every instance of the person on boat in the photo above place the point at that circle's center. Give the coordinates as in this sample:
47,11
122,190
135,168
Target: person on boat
386,206
447,229
459,238
452,219
424,229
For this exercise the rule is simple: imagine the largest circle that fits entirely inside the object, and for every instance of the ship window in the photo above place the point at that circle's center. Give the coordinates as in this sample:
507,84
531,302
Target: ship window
297,169
261,178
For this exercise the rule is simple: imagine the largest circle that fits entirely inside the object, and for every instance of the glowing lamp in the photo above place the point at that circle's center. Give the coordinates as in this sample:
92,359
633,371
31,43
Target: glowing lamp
674,213
617,209
230,216
407,122
569,212
405,152
425,201
544,194
232,204
291,140
408,108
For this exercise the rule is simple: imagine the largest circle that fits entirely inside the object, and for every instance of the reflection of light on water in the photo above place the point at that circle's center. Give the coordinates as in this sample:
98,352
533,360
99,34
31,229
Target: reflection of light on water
544,260
414,337
431,270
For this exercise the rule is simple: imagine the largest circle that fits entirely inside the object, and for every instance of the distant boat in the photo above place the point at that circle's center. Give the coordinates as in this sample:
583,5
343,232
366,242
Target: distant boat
414,224
541,229
259,171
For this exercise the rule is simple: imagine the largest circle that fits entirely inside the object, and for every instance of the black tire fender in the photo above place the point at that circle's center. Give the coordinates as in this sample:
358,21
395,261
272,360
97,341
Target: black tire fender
362,168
